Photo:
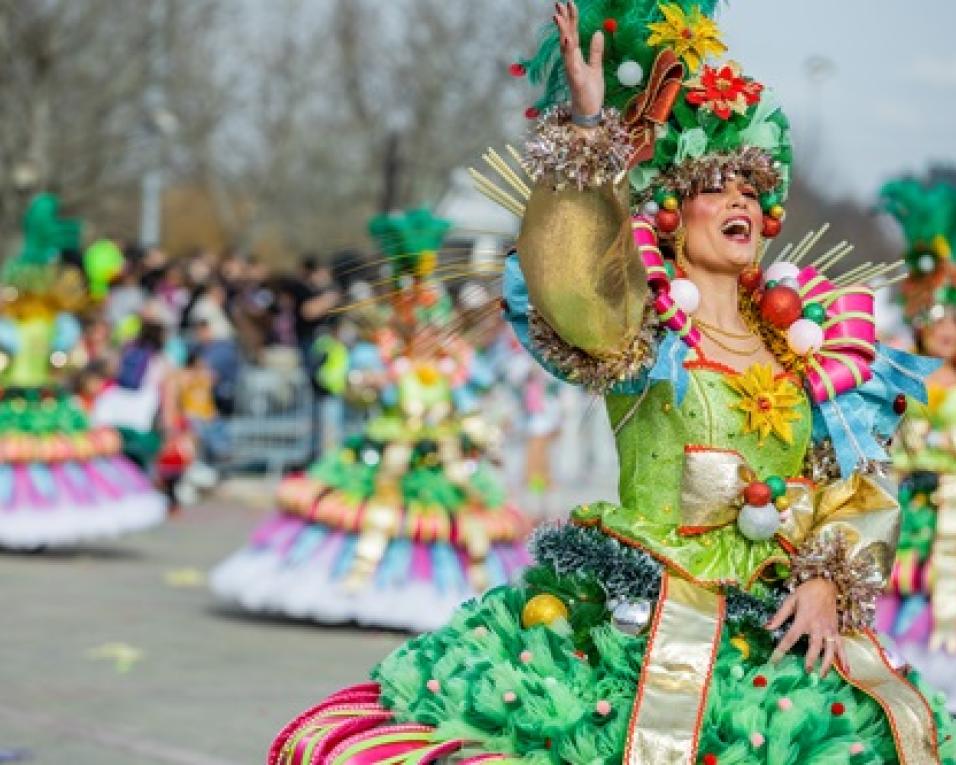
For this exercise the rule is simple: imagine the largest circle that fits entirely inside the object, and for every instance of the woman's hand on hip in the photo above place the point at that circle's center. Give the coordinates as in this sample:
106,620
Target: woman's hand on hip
814,610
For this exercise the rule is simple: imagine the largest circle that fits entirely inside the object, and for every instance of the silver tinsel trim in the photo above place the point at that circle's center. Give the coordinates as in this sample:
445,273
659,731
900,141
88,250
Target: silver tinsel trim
694,175
820,463
598,375
561,154
857,580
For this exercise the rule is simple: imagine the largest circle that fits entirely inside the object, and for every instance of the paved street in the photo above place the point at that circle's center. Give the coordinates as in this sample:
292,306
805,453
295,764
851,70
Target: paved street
176,680
117,655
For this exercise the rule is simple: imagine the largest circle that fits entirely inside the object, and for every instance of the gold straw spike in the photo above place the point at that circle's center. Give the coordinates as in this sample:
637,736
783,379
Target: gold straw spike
507,173
782,257
887,282
832,256
496,194
808,243
852,275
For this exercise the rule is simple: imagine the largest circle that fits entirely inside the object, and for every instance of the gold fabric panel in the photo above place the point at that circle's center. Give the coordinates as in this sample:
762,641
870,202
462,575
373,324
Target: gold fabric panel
867,515
906,710
672,690
944,568
583,273
711,485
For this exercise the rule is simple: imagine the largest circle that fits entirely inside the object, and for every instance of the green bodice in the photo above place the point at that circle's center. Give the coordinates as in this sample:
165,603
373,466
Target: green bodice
29,367
651,433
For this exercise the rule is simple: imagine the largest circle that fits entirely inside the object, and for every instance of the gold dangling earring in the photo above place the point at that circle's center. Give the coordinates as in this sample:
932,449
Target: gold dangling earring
680,248
761,250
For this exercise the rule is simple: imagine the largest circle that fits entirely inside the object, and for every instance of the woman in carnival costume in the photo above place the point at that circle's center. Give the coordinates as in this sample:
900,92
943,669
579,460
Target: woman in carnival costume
407,519
61,481
919,610
721,612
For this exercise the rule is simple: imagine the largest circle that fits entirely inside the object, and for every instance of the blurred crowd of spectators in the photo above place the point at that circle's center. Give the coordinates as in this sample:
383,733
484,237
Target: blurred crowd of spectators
164,351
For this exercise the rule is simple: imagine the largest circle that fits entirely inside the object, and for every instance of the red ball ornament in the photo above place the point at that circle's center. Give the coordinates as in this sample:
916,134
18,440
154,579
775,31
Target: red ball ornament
609,26
899,404
758,494
517,70
781,306
532,113
771,227
750,278
760,681
837,708
667,221
710,759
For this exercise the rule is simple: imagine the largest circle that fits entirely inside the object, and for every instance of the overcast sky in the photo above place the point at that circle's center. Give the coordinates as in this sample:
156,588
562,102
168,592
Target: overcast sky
887,105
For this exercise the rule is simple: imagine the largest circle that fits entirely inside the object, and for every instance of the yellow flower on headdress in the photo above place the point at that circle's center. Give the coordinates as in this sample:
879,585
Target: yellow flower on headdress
768,402
693,36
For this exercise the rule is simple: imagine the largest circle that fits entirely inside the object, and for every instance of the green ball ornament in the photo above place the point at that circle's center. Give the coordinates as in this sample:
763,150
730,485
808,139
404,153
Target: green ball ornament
771,284
815,313
768,200
661,194
778,487
669,268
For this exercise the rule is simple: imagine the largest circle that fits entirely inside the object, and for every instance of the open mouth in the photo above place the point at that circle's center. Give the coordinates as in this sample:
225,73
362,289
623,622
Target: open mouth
737,229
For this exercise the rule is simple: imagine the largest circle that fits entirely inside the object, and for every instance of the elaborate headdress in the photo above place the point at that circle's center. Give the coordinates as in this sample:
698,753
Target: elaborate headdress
411,242
33,279
677,123
927,216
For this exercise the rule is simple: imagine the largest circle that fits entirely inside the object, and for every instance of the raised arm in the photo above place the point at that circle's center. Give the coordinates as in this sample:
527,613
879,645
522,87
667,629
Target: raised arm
584,277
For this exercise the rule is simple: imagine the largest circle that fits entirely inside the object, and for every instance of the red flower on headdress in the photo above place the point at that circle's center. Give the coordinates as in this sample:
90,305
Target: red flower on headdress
723,90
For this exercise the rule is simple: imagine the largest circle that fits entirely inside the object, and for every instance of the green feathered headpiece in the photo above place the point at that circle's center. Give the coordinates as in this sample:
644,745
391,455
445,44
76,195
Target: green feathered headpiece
411,240
927,216
45,236
691,120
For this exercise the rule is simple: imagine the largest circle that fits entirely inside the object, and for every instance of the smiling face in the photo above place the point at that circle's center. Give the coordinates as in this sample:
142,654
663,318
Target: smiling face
723,227
939,338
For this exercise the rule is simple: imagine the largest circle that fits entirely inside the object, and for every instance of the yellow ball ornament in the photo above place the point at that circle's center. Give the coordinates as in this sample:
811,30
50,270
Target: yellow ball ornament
777,212
671,203
543,609
740,643
782,503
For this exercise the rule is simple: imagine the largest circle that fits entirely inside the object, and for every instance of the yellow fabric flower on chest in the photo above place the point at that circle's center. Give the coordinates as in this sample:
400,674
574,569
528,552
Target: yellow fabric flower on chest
769,403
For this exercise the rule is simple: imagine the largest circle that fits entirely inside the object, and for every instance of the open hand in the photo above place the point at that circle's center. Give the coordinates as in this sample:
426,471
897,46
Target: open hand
813,608
585,78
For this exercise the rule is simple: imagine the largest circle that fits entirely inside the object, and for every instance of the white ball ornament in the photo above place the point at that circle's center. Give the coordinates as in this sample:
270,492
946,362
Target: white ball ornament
651,208
630,74
685,295
758,522
777,272
804,336
789,281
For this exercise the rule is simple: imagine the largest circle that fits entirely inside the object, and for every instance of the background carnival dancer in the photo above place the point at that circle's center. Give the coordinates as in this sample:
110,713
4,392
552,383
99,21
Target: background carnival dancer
699,620
406,519
61,481
919,610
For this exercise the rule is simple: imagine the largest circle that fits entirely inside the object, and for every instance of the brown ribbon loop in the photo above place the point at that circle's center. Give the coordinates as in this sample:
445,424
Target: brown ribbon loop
652,107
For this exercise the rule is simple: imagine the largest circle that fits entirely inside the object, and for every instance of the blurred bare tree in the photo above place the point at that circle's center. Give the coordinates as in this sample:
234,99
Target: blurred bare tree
353,106
73,76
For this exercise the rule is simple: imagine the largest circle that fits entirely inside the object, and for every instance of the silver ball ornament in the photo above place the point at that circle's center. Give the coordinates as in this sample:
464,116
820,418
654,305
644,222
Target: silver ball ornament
632,616
758,522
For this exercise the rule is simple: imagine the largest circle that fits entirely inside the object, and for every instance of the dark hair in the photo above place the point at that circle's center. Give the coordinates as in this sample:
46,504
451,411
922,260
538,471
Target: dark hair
152,335
309,262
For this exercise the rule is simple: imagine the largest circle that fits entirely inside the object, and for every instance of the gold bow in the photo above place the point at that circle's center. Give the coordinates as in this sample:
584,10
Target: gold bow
652,106
711,487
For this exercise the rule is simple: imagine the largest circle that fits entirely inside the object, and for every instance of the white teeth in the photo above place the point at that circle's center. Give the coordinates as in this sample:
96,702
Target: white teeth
736,227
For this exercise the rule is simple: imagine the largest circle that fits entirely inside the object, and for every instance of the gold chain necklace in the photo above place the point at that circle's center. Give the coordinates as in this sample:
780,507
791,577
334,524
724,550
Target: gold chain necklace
729,349
726,333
